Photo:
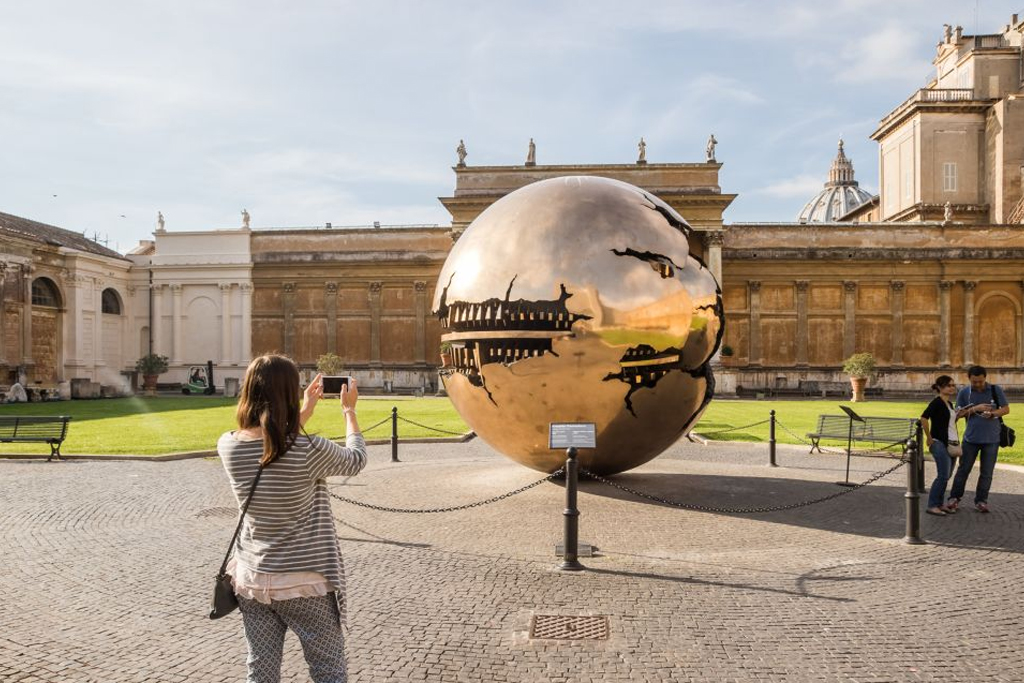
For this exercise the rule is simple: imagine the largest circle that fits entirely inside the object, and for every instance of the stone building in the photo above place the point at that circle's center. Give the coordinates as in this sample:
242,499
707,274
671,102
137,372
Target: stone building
65,306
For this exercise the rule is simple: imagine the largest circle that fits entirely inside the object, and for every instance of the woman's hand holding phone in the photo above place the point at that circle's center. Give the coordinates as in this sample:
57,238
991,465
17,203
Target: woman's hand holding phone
349,395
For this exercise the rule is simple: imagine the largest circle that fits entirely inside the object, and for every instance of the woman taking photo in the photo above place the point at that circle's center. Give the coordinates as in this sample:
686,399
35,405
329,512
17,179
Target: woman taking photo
287,570
938,421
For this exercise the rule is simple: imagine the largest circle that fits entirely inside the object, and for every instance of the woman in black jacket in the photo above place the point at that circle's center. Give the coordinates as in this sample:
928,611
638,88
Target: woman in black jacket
939,424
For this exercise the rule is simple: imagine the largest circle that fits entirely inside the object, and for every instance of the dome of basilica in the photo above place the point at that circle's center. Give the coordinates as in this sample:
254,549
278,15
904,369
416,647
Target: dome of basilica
840,195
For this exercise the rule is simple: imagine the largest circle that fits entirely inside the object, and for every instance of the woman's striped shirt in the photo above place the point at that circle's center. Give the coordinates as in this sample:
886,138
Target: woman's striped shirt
289,527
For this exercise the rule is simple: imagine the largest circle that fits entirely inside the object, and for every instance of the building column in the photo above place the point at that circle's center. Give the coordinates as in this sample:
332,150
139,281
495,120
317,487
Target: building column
801,323
1020,332
225,323
288,301
969,322
420,288
97,328
713,240
176,324
897,304
375,288
156,331
944,321
26,315
246,351
129,330
754,352
3,315
331,304
850,318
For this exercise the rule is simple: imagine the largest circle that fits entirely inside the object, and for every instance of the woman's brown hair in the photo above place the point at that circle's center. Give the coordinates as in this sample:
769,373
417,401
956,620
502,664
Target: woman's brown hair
270,399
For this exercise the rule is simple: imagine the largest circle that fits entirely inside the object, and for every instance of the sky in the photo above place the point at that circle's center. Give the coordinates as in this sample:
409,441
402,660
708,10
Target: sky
312,111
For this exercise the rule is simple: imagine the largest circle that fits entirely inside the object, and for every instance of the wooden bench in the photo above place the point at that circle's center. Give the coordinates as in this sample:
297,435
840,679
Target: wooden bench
51,430
891,431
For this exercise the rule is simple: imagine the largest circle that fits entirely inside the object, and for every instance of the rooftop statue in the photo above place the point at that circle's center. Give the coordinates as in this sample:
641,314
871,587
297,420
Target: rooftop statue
461,151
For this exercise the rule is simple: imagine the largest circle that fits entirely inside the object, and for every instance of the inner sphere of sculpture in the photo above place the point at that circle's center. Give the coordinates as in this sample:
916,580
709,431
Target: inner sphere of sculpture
577,299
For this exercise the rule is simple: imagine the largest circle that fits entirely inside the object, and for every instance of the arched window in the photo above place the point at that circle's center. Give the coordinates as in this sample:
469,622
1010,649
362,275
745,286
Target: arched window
45,293
111,302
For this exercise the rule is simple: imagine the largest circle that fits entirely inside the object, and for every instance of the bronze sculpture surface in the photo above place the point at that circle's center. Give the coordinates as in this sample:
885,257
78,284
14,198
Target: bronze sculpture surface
577,299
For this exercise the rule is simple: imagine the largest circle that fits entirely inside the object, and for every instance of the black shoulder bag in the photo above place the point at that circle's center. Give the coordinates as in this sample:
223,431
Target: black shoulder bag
224,599
1007,437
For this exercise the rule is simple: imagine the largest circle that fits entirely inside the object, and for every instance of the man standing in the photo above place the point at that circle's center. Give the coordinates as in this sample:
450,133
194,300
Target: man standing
982,404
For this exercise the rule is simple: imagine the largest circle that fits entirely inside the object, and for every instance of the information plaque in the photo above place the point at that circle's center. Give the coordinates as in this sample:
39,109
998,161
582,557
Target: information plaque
572,435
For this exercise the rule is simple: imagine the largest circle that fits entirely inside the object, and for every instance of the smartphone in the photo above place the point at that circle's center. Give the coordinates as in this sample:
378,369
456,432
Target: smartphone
334,383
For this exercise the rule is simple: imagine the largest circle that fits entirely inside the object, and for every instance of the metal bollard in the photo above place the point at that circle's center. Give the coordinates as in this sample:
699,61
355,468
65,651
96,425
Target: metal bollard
570,561
771,441
919,437
912,497
394,434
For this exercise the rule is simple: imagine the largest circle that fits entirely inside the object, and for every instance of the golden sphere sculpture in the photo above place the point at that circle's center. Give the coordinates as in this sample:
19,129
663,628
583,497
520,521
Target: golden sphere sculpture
579,299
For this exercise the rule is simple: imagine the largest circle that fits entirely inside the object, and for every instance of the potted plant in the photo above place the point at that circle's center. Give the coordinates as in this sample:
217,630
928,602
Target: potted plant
859,367
151,366
446,354
329,364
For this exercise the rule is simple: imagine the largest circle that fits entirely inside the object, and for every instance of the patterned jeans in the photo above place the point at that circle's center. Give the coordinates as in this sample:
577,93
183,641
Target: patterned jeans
316,623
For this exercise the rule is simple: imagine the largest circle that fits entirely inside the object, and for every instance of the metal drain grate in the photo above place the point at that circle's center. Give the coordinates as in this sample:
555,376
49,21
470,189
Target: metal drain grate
217,512
556,627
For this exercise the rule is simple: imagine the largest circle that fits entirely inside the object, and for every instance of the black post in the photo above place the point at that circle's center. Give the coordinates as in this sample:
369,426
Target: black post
849,454
912,497
919,438
570,561
771,441
394,434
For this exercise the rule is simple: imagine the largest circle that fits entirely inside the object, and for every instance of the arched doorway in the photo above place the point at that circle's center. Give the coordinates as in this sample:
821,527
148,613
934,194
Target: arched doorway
996,332
113,327
47,305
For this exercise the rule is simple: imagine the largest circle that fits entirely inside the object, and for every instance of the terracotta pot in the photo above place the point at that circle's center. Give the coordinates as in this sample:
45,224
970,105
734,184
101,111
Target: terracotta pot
149,382
858,384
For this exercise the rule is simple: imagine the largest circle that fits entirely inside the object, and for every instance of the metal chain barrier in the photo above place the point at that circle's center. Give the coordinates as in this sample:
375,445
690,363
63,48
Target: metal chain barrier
829,451
433,429
745,511
364,430
495,499
734,429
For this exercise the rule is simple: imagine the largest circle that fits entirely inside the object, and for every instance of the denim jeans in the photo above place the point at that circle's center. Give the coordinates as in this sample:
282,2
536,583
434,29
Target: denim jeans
943,465
989,451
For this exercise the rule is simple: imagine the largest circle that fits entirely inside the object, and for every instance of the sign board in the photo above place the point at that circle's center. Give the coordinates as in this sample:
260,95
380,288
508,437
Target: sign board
853,416
572,434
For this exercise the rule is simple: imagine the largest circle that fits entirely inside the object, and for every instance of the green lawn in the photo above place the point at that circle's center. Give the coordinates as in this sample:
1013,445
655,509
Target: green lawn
154,426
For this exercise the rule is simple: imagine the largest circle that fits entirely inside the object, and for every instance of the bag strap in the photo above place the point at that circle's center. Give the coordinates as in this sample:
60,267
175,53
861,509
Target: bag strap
241,518
995,399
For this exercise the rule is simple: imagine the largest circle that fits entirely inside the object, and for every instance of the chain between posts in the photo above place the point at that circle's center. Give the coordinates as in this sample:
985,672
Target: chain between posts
734,429
433,429
383,508
744,511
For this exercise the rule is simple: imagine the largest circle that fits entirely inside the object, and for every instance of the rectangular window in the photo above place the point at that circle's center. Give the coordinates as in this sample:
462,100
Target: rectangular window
949,176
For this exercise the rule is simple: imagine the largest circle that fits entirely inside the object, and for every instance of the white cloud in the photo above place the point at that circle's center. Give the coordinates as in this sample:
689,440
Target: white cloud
892,52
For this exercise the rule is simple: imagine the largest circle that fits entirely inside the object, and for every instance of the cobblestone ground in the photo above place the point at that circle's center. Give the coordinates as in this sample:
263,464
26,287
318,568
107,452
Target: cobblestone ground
107,569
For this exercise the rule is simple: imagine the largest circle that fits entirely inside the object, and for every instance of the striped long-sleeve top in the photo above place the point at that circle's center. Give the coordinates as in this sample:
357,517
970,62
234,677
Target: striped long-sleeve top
289,527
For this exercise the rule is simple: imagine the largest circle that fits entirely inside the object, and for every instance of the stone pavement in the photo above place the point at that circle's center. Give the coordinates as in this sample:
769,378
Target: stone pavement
107,569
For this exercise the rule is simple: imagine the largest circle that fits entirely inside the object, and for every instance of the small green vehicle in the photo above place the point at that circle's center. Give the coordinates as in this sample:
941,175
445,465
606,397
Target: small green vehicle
200,380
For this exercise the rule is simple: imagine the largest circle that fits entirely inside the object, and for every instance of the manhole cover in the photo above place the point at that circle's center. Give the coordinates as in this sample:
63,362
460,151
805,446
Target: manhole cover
555,627
218,512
